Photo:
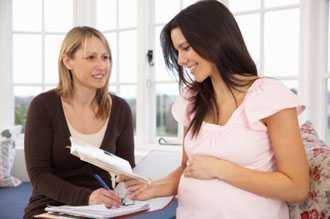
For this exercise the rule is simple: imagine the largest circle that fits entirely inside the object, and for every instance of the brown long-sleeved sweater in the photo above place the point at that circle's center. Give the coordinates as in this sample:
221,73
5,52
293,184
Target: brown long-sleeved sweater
58,177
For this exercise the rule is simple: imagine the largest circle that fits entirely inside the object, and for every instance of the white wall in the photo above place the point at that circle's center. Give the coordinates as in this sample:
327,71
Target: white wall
6,95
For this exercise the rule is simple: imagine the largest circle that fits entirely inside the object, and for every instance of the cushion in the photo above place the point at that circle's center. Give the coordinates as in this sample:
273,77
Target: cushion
317,205
310,137
7,157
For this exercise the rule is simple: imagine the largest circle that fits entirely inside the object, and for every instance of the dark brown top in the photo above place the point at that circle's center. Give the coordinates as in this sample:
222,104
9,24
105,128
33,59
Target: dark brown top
58,177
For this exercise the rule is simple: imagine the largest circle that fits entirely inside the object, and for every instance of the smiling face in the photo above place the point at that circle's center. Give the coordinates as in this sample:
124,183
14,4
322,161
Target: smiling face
90,65
187,57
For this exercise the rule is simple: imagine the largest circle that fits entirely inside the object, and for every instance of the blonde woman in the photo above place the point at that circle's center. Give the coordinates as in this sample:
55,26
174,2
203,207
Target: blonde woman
82,107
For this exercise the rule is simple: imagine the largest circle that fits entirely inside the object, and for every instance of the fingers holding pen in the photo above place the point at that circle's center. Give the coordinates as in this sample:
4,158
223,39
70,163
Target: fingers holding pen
103,196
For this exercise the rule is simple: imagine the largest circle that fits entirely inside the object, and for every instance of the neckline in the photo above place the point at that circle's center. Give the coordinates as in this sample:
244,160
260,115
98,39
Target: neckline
236,111
83,134
66,125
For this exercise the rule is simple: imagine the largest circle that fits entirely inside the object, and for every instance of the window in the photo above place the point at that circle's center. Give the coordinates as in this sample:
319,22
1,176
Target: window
119,24
271,30
164,83
36,35
158,86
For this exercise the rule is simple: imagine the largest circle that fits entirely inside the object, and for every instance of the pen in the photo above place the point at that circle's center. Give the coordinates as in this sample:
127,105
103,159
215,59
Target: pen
101,182
104,185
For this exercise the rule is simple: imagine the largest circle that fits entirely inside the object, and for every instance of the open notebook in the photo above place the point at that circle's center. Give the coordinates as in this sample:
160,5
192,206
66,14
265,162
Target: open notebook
96,211
103,159
168,160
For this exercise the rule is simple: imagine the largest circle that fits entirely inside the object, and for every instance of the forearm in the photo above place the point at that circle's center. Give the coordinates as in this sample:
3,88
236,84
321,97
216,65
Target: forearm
268,184
60,190
169,185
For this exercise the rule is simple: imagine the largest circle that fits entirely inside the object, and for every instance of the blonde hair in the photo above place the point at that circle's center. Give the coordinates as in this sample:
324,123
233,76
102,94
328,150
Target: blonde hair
74,40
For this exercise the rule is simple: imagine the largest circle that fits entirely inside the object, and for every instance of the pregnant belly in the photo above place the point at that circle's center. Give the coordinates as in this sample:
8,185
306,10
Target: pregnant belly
223,200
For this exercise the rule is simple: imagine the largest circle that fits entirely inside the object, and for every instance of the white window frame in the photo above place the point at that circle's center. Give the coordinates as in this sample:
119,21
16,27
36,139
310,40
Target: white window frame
314,23
7,108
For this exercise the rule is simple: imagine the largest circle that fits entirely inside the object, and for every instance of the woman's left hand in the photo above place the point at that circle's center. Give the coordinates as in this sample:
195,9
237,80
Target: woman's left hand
203,167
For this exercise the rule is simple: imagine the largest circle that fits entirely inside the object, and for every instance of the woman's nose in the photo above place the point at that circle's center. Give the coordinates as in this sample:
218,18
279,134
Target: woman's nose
182,59
102,63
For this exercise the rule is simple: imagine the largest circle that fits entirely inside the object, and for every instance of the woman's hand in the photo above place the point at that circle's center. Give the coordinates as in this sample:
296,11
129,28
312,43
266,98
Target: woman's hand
137,190
205,167
103,196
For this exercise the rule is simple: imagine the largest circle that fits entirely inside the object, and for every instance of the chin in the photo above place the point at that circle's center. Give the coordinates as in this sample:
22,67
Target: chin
96,86
200,80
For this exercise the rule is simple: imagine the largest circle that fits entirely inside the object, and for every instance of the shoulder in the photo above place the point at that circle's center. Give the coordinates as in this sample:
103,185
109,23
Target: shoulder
270,90
268,84
47,99
120,108
119,102
182,106
267,96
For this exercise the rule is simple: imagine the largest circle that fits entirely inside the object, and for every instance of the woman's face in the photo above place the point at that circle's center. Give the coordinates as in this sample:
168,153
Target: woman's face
91,64
187,57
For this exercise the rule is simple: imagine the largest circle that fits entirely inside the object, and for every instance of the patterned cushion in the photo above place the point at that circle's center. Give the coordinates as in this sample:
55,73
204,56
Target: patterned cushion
317,205
7,156
310,137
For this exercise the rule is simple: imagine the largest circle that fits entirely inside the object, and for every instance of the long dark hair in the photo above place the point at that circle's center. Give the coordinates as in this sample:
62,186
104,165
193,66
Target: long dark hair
211,30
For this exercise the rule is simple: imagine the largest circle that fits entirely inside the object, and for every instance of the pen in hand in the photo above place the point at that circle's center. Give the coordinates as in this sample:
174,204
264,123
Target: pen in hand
104,185
101,182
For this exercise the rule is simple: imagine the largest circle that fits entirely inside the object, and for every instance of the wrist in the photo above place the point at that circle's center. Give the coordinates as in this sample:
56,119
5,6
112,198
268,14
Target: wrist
225,170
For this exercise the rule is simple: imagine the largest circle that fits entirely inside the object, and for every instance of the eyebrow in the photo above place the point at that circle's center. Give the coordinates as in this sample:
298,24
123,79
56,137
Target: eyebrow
93,52
181,45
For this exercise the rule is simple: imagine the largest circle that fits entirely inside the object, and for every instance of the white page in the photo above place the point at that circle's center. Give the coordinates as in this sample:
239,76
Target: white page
97,211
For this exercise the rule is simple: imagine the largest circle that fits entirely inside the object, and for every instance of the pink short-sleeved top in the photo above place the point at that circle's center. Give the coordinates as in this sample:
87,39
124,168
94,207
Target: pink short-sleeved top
242,140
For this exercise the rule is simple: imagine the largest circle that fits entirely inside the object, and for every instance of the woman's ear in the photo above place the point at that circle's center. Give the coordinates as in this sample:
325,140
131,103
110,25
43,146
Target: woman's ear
67,61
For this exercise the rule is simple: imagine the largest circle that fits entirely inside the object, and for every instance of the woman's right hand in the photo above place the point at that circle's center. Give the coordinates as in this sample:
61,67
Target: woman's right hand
137,190
103,196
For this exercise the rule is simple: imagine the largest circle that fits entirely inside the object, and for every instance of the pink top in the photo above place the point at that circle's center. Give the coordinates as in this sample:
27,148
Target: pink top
242,140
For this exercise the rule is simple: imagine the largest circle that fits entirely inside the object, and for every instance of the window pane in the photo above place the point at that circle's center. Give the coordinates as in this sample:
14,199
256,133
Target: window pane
166,95
106,14
250,28
239,5
58,15
52,51
276,3
161,72
128,92
166,10
127,56
127,13
27,58
23,97
27,20
282,43
112,40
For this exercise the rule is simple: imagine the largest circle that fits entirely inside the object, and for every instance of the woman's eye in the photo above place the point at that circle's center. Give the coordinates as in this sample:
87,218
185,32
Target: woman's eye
106,57
186,48
90,57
